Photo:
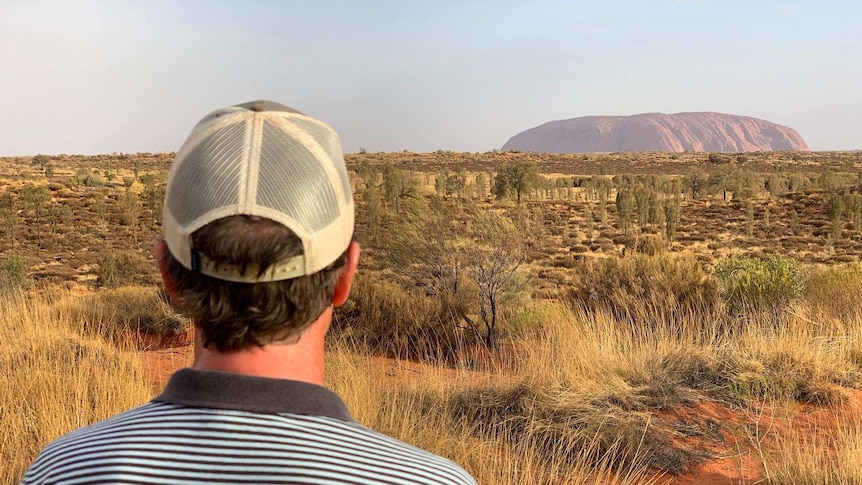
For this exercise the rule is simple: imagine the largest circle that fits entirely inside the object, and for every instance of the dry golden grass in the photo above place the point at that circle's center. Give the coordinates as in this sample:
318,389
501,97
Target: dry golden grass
582,402
818,457
55,378
120,313
588,395
422,413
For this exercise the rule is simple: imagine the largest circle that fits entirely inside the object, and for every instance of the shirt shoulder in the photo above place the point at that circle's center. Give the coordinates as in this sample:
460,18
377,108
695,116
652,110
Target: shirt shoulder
73,443
161,438
442,470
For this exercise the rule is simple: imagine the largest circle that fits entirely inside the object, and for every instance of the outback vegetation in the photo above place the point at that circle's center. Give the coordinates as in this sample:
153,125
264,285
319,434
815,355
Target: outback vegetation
604,318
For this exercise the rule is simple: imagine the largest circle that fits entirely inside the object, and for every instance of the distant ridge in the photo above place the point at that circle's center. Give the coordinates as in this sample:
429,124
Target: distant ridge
648,132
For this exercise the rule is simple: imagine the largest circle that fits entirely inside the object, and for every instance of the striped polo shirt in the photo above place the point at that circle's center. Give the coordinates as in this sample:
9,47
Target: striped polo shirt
219,427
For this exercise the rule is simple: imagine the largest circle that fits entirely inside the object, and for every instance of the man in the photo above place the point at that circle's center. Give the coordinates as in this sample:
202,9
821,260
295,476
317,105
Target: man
258,248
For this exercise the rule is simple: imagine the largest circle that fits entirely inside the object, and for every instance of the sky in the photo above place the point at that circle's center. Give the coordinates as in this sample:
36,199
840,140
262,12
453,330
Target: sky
99,76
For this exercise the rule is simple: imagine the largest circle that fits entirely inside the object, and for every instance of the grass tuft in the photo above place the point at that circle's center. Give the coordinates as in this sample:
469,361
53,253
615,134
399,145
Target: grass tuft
55,378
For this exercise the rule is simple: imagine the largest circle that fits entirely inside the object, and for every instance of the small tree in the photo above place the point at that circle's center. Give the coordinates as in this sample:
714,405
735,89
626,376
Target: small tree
9,206
749,219
53,211
100,207
470,268
373,212
368,174
696,183
148,180
601,213
671,218
455,183
132,208
518,177
440,183
492,262
40,160
625,207
655,214
36,196
835,211
154,195
450,183
424,245
588,221
717,183
853,204
481,185
794,221
13,272
396,185
642,196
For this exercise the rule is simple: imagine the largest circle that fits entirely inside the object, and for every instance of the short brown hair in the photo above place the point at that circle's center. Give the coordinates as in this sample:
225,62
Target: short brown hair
236,316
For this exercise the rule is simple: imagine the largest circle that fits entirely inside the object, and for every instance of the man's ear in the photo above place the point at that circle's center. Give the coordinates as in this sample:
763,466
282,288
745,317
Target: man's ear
162,262
345,281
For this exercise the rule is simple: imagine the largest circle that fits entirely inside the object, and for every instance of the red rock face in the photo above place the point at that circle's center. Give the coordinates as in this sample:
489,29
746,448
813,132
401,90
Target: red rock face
701,132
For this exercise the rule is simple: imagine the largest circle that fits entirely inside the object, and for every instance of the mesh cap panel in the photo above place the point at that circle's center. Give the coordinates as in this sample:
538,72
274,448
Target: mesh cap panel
262,159
220,154
293,181
328,143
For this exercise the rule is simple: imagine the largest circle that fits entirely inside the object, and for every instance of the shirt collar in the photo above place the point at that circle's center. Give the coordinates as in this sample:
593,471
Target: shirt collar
227,390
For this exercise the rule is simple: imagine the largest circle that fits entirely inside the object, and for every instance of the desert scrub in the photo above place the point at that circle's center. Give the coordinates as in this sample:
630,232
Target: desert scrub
759,284
834,291
124,267
531,319
13,273
113,313
642,289
383,317
560,424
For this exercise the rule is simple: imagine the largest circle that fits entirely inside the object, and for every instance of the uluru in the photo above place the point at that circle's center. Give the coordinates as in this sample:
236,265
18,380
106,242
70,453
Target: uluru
659,132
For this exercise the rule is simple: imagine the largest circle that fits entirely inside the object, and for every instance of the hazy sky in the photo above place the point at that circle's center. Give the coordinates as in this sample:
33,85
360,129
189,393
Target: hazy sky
464,75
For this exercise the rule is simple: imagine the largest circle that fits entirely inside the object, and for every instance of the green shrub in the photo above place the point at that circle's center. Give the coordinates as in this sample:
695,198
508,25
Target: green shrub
13,273
718,158
760,284
88,179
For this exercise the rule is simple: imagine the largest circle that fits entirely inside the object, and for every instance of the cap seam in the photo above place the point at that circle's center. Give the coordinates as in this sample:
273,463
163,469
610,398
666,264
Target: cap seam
253,168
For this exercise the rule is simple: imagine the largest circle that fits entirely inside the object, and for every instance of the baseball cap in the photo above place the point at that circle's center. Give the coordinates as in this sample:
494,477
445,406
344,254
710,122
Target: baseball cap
260,159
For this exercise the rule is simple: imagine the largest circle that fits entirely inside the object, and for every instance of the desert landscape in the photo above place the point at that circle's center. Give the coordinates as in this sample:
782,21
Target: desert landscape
615,318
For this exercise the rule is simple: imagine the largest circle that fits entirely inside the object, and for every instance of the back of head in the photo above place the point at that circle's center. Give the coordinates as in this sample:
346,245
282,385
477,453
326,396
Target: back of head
258,215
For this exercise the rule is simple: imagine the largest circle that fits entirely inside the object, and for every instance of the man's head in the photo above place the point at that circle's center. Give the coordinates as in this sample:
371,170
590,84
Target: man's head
258,221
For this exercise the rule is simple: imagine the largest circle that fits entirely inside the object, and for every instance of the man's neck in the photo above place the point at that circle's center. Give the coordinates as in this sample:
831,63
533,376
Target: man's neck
300,361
